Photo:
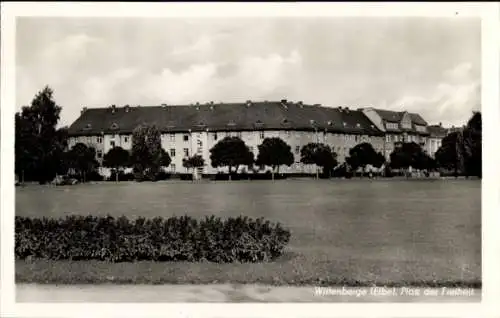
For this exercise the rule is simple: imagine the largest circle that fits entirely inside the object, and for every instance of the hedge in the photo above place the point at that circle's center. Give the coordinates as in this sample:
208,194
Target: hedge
183,238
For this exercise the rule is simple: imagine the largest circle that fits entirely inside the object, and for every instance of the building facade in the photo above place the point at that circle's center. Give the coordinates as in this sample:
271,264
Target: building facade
436,135
398,128
187,130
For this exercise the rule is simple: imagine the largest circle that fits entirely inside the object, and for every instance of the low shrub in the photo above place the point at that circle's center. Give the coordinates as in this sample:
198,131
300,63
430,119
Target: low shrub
90,176
184,238
122,176
186,176
248,176
162,175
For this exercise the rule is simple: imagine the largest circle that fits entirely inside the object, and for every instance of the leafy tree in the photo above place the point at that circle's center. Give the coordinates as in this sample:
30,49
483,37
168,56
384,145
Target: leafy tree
472,146
147,154
449,155
364,154
410,155
461,151
38,144
117,158
164,159
231,152
82,159
274,152
379,160
319,154
193,162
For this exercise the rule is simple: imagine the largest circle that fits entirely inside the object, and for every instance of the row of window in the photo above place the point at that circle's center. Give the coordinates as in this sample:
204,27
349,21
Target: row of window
235,134
397,138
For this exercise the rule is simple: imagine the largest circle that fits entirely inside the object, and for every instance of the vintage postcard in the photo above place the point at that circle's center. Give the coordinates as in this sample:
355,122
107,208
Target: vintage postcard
292,153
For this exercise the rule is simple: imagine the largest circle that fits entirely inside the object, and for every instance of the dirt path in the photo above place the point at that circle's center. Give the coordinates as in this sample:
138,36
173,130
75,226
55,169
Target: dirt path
228,293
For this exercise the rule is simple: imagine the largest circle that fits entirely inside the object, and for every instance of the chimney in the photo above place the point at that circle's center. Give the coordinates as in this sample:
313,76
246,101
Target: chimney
249,103
284,103
127,108
301,104
440,124
113,108
84,109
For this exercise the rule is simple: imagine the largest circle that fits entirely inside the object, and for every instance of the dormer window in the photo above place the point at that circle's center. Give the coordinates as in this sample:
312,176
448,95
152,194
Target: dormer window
392,126
201,124
284,121
330,123
114,126
231,123
345,124
358,125
88,126
420,128
312,121
259,123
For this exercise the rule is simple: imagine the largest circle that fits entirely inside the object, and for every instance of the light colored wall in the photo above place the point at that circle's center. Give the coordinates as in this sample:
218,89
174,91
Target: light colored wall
340,143
432,145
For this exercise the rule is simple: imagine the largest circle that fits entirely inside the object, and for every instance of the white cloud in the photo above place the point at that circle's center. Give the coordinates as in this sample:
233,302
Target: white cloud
258,76
181,87
72,48
452,100
253,77
203,44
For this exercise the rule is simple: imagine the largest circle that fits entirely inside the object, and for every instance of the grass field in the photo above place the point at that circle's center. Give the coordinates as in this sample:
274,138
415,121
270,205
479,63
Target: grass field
358,232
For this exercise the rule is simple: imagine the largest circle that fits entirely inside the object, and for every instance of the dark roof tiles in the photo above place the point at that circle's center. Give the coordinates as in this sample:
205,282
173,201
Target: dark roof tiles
231,116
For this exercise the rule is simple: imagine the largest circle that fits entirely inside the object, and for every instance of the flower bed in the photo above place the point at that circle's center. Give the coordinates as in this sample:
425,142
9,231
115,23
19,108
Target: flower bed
183,238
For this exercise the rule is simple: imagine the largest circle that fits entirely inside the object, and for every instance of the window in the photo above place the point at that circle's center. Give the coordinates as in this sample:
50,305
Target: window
99,153
125,138
172,137
99,140
392,126
172,166
172,152
297,149
112,143
261,133
420,128
186,137
186,152
215,136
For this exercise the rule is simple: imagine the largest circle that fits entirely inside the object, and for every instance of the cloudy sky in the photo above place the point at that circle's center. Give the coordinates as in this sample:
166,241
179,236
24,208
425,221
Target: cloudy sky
425,65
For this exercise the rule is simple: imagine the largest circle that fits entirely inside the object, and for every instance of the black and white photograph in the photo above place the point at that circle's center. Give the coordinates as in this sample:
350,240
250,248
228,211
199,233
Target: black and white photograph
259,159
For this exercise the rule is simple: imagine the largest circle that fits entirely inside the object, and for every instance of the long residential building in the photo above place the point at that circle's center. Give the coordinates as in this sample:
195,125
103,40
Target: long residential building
194,129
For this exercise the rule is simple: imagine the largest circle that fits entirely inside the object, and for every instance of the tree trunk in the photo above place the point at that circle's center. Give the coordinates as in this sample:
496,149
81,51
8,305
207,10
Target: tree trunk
317,172
116,173
230,171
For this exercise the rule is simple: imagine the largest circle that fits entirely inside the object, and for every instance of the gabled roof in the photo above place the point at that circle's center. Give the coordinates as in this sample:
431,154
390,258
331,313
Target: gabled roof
437,131
274,115
396,117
